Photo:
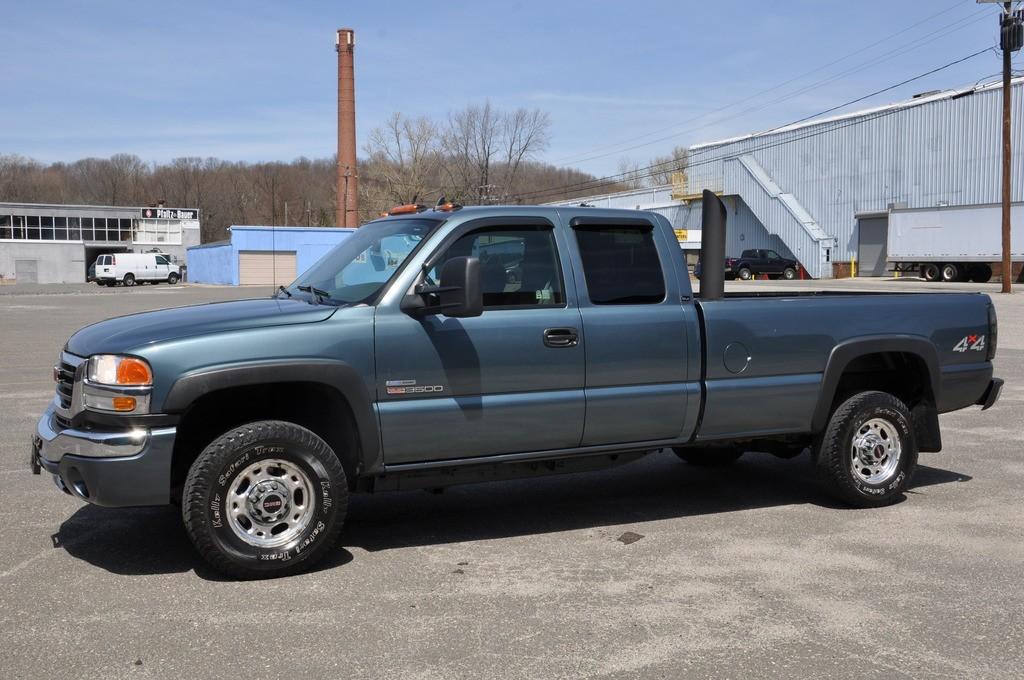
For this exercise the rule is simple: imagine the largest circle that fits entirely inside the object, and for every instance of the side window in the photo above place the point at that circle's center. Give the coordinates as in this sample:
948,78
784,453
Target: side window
772,255
161,259
621,265
518,267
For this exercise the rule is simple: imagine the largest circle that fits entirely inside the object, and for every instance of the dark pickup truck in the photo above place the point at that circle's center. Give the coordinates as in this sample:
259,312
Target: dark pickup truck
453,345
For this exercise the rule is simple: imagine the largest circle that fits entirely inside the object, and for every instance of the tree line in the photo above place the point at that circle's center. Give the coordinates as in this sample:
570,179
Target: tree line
477,155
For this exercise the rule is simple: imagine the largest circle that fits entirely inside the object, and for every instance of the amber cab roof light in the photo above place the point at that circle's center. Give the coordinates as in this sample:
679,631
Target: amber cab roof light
407,209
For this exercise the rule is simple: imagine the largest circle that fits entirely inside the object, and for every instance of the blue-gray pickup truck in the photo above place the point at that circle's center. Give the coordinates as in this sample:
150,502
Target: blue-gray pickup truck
443,346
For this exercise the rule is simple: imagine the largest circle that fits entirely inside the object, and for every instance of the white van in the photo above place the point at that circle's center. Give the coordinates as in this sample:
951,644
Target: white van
132,268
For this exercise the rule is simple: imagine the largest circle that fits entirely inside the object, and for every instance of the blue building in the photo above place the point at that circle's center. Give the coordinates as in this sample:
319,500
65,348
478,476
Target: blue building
262,255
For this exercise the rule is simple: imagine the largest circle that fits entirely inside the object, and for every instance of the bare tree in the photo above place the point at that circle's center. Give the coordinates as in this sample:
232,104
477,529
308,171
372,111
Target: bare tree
525,134
630,174
665,166
404,156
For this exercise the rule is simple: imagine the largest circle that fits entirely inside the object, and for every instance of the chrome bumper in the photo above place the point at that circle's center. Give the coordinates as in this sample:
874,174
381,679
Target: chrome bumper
109,468
54,443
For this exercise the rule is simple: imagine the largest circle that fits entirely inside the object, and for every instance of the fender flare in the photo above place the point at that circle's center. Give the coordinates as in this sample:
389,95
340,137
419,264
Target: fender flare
848,350
335,374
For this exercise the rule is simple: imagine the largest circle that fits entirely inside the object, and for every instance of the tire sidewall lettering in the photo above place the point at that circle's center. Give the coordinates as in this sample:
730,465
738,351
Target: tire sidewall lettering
323,517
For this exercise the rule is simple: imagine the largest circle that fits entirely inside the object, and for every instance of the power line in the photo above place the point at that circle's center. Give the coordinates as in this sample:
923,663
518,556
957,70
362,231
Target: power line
653,168
896,52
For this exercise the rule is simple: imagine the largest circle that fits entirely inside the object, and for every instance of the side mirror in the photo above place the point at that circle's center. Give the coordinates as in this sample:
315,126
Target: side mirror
458,294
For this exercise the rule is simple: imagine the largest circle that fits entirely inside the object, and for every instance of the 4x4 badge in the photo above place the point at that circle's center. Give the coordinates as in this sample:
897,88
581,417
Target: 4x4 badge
975,342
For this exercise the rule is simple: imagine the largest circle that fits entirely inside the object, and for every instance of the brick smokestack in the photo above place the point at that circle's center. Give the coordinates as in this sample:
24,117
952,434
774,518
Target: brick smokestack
347,212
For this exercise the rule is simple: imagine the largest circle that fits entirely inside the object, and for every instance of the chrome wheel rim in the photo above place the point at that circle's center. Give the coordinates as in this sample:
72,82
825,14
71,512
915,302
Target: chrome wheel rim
875,451
270,503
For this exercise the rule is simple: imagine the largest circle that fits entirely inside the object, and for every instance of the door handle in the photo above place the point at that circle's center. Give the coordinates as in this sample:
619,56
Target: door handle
561,337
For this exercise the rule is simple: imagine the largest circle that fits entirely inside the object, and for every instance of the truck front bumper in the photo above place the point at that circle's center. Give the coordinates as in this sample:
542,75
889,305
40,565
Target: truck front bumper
113,468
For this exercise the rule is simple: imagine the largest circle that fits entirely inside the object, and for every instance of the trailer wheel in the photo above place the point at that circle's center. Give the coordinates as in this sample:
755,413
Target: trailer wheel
868,452
981,273
929,271
710,456
950,272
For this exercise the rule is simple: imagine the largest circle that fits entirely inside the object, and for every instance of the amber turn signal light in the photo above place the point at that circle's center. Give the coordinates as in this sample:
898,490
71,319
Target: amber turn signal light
123,403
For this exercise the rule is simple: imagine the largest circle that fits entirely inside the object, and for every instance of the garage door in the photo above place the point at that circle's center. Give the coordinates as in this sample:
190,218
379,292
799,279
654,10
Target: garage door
263,268
26,271
871,252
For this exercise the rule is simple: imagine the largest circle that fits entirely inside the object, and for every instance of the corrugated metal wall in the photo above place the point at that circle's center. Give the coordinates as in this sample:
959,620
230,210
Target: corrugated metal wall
938,150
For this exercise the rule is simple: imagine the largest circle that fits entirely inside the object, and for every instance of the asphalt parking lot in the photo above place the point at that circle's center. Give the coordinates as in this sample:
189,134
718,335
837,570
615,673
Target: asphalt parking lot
739,572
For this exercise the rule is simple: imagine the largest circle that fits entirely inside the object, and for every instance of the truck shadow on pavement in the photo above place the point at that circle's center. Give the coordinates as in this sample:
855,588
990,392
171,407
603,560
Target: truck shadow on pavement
153,540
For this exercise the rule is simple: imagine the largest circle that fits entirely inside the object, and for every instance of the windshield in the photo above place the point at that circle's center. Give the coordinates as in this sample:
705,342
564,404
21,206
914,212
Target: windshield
360,266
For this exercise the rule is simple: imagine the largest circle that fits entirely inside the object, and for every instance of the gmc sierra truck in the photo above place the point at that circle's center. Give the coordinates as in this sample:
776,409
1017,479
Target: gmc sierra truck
452,345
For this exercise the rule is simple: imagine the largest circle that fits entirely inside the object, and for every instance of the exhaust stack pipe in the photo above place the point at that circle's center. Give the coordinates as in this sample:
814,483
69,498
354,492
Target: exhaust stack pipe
712,247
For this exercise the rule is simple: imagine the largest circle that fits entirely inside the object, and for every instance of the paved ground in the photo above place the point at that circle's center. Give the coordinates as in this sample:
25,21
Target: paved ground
749,571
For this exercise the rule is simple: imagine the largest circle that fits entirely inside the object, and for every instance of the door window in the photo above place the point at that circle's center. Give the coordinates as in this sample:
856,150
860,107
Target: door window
621,265
772,255
518,266
160,259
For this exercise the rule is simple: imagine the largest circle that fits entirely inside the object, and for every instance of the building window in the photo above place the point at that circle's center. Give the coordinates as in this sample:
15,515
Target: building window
6,231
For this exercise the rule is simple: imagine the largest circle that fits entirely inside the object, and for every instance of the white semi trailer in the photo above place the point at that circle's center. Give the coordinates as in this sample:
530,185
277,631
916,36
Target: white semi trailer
954,243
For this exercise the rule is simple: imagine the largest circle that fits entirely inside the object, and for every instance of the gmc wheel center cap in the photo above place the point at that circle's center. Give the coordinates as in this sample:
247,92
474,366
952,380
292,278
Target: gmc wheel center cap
272,504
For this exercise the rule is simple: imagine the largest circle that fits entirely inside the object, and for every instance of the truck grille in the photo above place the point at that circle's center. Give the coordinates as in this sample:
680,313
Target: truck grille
66,369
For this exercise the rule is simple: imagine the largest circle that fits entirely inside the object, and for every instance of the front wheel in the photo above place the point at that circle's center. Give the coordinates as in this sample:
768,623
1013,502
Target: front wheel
868,453
789,273
265,499
172,278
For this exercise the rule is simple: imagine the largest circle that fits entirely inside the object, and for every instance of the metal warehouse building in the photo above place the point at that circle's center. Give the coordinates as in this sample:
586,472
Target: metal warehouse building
262,255
822,191
53,243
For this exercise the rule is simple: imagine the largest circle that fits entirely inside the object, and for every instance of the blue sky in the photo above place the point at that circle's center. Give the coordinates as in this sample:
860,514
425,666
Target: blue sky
256,80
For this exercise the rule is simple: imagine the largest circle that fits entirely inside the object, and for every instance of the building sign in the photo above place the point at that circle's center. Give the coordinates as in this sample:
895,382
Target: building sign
681,234
169,214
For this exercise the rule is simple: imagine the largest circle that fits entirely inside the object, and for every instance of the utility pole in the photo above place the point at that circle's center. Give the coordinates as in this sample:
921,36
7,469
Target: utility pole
1011,35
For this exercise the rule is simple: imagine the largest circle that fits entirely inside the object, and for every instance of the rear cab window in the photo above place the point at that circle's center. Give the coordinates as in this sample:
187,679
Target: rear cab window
620,264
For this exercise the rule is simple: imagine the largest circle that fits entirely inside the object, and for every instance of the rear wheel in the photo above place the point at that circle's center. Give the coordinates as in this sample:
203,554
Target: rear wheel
950,272
709,456
172,278
265,499
745,274
789,273
128,280
930,271
868,452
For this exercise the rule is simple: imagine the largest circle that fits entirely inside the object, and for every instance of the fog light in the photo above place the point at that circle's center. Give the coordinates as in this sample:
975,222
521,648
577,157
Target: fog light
123,403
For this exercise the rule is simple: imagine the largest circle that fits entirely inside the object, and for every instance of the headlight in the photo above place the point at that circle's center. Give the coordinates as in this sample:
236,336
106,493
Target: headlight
111,369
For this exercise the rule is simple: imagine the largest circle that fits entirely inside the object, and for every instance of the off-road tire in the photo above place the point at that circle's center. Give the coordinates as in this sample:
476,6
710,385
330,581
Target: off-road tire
789,273
710,456
172,278
211,478
834,457
128,281
745,274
